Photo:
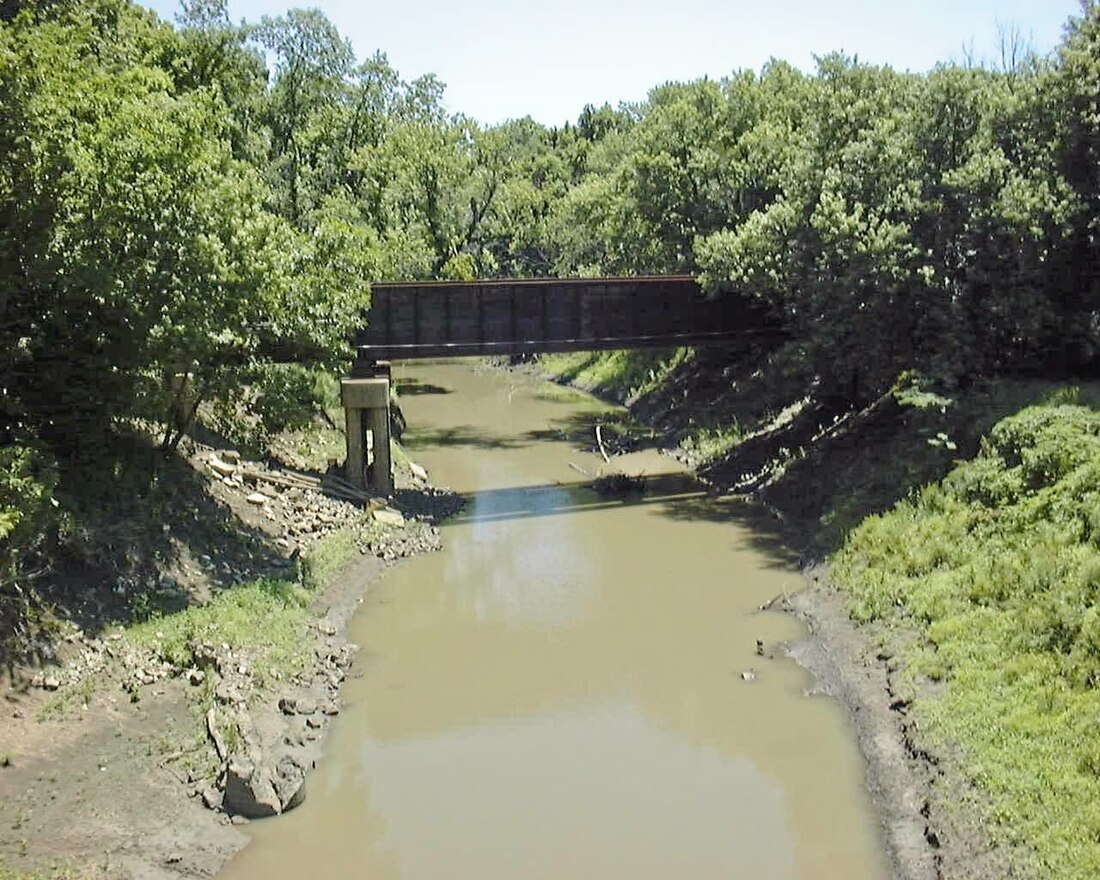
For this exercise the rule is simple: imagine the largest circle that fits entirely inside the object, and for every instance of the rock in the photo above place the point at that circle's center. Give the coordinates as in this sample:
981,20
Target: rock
211,798
228,694
389,517
305,706
196,676
326,627
256,498
239,820
173,859
748,675
221,468
203,654
248,791
314,722
290,783
230,455
418,472
331,709
288,705
51,682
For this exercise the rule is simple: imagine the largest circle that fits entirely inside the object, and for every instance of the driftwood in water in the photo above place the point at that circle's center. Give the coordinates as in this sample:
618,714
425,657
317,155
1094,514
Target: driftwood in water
618,484
599,443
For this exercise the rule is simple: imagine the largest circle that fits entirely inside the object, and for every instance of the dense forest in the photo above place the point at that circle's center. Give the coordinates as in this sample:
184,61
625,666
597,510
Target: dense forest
171,204
212,200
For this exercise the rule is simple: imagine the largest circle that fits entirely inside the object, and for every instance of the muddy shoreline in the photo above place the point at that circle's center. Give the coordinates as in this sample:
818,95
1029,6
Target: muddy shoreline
911,787
101,788
97,796
142,819
846,668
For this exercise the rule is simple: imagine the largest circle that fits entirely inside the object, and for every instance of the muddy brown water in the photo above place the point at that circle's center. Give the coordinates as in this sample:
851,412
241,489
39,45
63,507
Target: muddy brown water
559,693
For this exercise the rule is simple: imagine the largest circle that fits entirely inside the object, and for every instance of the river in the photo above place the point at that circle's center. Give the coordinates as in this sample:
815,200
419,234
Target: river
572,688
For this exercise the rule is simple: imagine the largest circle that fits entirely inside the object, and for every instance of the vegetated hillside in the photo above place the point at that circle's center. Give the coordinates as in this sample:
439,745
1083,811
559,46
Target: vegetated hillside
996,569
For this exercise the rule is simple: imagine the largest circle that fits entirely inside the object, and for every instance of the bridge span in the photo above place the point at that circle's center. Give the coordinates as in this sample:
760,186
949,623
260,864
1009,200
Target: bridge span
456,318
433,319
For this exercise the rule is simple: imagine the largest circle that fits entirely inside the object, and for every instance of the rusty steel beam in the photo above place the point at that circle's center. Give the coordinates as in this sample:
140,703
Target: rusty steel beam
451,319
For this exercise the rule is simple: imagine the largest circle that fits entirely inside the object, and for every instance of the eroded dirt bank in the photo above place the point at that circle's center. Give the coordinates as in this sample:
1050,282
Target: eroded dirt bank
121,759
914,790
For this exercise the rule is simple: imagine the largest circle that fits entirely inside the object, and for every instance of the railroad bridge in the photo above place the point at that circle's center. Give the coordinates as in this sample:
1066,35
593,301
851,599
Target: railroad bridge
460,318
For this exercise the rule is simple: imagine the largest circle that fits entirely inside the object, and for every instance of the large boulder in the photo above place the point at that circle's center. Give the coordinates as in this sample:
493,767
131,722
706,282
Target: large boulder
290,783
249,791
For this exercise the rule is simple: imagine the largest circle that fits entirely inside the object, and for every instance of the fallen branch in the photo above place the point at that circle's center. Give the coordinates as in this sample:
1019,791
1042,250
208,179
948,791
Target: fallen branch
599,442
215,735
292,482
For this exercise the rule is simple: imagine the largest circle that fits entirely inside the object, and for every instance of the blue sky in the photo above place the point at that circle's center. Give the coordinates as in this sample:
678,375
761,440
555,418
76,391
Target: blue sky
548,59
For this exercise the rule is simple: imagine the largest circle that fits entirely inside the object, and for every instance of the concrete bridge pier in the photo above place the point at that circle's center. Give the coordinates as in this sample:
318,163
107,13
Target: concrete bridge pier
366,400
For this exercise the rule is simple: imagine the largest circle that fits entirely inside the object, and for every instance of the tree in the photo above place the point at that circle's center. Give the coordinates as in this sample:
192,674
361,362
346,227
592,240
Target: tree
313,63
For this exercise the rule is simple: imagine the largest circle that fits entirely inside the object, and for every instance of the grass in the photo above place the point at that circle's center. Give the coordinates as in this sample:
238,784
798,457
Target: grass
619,374
707,443
68,700
316,446
561,394
54,873
997,569
264,619
323,561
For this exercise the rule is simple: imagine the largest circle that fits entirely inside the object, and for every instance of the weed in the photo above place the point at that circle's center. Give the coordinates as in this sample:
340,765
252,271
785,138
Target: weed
560,394
67,700
709,443
619,374
326,557
265,618
997,568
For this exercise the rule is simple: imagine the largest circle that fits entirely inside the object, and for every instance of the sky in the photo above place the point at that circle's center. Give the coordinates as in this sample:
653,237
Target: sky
504,59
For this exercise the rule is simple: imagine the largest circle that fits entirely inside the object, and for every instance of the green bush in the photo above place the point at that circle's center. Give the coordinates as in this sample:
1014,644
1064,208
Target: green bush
997,568
26,485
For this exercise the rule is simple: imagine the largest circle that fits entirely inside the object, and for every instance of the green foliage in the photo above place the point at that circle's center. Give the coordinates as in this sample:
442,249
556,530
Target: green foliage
324,560
620,374
266,619
24,494
998,568
707,443
26,508
142,239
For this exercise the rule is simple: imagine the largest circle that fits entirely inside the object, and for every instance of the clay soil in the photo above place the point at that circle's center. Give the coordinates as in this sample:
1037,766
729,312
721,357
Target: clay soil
101,792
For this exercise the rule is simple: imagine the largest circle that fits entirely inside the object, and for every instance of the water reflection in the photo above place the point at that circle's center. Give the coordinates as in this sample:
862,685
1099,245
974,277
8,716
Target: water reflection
559,693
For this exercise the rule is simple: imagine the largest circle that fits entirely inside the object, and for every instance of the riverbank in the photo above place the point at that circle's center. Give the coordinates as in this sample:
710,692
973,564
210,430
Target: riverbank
953,799
581,684
198,698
